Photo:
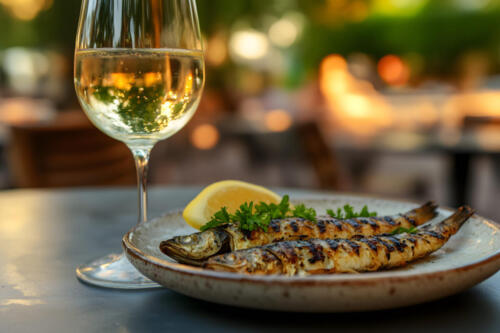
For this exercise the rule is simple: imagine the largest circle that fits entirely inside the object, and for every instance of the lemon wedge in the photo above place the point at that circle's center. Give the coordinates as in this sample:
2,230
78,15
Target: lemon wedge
227,193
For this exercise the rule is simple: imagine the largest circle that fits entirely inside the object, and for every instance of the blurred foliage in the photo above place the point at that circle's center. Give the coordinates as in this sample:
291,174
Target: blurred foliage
439,31
53,28
440,38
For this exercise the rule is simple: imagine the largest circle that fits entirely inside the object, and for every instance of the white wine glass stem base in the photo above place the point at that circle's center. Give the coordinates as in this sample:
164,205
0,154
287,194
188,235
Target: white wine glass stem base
113,271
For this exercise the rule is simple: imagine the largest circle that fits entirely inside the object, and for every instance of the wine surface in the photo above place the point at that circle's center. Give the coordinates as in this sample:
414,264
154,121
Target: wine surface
139,96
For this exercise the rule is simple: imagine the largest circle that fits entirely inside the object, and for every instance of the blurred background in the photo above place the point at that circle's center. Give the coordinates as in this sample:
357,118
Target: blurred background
399,98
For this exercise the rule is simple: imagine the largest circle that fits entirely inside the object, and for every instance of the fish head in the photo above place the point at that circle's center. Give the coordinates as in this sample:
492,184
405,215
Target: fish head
197,246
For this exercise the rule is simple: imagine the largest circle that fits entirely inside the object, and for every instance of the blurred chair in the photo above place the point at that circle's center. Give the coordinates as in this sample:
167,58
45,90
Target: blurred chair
67,152
320,155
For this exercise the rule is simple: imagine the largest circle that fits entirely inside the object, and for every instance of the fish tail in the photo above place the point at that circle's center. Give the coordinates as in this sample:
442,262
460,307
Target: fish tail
456,220
425,212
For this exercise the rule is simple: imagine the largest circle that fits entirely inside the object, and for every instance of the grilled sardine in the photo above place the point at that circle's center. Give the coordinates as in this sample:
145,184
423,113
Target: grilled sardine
195,248
323,256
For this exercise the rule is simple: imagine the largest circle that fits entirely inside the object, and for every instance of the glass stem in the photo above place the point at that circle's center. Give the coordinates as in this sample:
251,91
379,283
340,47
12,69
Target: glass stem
141,158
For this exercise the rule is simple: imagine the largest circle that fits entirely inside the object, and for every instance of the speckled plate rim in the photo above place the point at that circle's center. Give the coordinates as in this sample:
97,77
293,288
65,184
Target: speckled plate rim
368,278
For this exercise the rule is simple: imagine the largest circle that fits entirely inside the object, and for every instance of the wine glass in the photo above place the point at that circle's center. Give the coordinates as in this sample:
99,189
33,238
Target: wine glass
139,75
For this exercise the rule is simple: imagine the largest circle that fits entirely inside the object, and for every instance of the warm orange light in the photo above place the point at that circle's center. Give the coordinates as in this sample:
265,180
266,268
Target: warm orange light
216,53
278,120
356,106
26,9
489,137
393,70
333,62
121,81
188,86
334,76
205,136
474,104
151,78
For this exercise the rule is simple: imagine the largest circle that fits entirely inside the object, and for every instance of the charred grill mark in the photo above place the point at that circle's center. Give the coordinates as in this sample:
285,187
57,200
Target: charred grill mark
294,225
354,223
361,221
390,220
332,243
353,245
388,246
420,236
370,243
433,234
316,252
337,224
289,251
275,225
373,223
399,245
302,237
321,226
408,219
270,257
411,239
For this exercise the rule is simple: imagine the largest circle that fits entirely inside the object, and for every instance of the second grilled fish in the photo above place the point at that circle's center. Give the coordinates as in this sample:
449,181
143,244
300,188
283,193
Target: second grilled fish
195,248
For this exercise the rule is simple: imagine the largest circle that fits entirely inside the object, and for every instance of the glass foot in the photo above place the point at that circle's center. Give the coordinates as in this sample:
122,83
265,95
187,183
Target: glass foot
114,271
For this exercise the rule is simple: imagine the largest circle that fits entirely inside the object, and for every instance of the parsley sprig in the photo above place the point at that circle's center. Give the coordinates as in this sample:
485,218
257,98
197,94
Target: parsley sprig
402,230
349,213
219,218
304,212
252,216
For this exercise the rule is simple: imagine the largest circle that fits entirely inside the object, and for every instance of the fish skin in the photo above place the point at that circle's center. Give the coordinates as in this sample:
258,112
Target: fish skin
193,249
326,256
328,227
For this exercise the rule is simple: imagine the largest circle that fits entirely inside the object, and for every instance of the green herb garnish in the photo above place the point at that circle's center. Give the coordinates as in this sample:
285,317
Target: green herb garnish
275,211
402,230
251,217
219,218
349,213
304,212
250,220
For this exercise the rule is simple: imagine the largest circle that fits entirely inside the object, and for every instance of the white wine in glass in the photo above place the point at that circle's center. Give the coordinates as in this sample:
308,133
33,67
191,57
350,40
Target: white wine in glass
139,76
141,95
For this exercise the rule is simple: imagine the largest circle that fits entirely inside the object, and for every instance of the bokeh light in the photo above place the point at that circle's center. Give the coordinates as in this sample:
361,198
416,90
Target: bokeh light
216,53
26,9
248,45
283,32
278,120
393,70
354,105
205,136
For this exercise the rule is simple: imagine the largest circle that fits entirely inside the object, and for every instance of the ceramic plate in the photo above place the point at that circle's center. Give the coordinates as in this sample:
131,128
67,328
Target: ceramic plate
470,256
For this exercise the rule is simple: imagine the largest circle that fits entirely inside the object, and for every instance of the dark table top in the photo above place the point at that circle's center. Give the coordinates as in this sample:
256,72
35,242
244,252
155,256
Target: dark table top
45,234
